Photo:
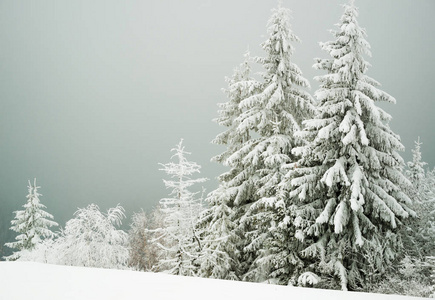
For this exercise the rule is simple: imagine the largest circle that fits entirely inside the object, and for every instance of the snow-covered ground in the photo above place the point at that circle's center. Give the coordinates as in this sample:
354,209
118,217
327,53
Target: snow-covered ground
26,280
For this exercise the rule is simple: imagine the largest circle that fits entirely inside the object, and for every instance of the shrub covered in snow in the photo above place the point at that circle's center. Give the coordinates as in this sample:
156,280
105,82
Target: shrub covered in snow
90,239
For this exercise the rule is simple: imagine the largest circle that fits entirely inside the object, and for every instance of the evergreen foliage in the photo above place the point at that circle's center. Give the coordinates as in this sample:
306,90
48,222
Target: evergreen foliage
348,186
274,113
419,234
32,223
415,170
219,237
264,116
409,278
218,225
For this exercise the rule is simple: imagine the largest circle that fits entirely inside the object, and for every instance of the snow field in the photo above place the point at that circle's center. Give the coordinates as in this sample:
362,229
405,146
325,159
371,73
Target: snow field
36,281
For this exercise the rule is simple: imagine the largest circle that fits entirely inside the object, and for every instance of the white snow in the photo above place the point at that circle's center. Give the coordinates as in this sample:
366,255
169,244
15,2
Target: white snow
36,281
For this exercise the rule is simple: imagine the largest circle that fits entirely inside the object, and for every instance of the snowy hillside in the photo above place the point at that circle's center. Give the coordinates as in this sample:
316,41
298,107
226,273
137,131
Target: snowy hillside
24,280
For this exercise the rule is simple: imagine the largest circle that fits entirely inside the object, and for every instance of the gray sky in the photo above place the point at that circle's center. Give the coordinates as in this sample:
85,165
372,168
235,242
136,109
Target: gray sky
93,94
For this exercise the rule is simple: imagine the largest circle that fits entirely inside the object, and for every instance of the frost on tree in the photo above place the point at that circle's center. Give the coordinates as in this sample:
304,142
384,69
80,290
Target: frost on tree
419,236
218,227
219,239
91,239
240,86
180,213
425,208
144,252
265,116
415,170
348,185
44,252
32,223
275,113
139,242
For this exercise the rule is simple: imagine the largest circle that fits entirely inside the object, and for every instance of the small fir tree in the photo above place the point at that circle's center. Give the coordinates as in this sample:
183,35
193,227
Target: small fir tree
425,226
419,235
415,170
32,223
348,185
180,213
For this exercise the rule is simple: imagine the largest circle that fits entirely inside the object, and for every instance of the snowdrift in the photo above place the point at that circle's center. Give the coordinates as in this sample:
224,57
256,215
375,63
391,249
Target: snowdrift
27,280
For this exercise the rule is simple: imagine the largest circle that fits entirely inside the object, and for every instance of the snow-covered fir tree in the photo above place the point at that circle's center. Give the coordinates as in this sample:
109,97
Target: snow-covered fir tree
419,235
240,86
219,236
180,212
348,186
218,228
275,113
415,170
32,224
425,226
271,234
265,118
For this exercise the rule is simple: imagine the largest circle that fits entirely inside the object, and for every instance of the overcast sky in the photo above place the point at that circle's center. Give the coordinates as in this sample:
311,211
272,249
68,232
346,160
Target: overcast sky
93,94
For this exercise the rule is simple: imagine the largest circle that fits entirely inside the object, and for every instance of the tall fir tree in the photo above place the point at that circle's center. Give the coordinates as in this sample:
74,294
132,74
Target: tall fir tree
268,114
348,186
180,212
275,114
32,223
